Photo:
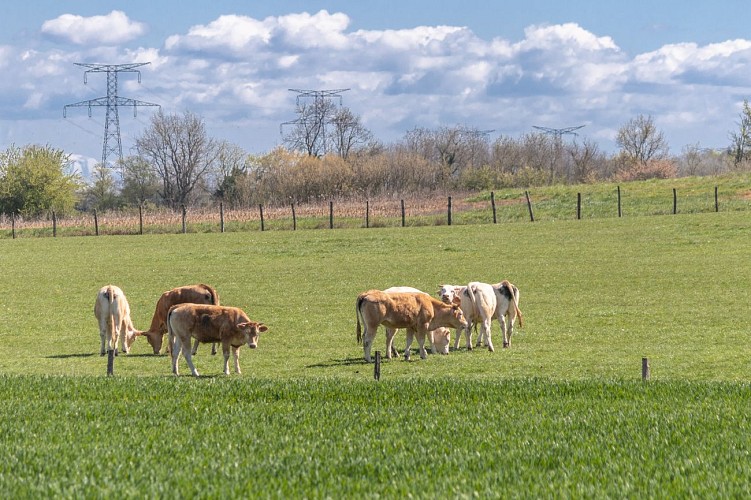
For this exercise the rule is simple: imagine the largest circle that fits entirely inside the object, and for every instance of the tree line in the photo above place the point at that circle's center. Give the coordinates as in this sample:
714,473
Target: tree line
328,154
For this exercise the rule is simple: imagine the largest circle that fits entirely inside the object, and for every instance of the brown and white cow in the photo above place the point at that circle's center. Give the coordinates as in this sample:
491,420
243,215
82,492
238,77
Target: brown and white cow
112,312
209,323
194,294
419,313
442,346
478,302
507,310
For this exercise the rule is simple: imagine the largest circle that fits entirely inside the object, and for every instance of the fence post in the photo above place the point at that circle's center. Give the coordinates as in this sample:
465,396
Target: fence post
619,201
529,207
221,217
492,204
260,209
377,366
449,214
13,225
716,201
331,214
110,362
140,219
185,228
294,218
645,369
54,224
403,221
367,214
96,224
578,206
675,201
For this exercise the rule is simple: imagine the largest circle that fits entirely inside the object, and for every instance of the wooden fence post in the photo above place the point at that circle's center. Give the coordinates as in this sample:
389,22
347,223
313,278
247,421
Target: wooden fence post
619,201
260,209
54,224
140,219
716,201
110,362
529,207
294,218
578,206
449,209
367,214
675,201
221,217
96,224
377,366
13,225
185,213
403,218
645,369
331,214
492,205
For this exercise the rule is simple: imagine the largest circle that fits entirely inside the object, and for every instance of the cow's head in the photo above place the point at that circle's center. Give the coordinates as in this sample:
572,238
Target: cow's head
458,319
449,294
155,340
250,330
441,340
130,337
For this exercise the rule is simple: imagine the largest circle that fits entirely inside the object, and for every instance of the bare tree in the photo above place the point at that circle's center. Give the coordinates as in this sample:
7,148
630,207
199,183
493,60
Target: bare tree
308,133
180,152
740,146
641,142
349,134
140,182
586,160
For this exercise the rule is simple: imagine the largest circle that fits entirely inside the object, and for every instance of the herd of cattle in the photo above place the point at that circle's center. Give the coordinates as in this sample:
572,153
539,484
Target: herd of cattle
193,312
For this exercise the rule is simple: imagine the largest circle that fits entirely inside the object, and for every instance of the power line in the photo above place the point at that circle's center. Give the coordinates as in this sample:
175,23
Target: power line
558,132
112,142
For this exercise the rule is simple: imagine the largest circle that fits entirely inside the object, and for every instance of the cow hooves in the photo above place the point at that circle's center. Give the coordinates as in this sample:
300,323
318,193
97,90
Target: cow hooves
506,345
490,348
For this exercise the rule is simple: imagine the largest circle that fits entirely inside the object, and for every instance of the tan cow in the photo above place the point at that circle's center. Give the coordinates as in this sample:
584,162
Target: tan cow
507,310
208,323
417,312
112,312
441,347
194,294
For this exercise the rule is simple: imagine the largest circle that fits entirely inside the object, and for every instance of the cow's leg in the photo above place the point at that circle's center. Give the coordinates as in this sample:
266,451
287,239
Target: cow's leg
213,348
123,334
369,333
485,332
468,334
432,343
236,355
481,337
504,330
103,338
458,334
175,353
409,335
421,334
390,349
225,352
188,356
195,347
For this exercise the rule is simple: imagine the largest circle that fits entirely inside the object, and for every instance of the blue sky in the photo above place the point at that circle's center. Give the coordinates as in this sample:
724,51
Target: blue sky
504,66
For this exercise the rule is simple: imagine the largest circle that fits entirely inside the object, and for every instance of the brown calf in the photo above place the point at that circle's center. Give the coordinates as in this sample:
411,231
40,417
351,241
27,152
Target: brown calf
418,313
194,294
208,323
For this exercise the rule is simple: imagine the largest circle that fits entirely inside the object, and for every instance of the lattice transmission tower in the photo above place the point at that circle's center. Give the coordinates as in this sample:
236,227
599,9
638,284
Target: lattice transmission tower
313,121
112,143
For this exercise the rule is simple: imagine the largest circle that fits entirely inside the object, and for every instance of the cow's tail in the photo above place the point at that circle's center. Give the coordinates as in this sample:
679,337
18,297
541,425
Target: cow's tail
514,293
358,313
170,332
212,292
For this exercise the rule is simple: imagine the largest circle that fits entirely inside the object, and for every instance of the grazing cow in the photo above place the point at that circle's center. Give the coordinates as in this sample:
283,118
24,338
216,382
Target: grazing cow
478,302
419,313
442,347
194,294
507,310
209,323
112,311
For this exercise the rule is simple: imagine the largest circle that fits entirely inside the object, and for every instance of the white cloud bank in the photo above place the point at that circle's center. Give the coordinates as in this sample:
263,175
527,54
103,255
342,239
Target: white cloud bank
235,72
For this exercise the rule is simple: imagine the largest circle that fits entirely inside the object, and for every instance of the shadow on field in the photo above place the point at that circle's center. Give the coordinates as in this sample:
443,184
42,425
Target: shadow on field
97,355
339,362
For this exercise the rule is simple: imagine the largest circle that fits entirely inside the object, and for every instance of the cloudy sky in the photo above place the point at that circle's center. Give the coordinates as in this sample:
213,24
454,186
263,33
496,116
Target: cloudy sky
500,65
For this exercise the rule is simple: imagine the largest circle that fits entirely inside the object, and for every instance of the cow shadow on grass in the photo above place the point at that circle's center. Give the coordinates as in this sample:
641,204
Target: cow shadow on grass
96,355
339,362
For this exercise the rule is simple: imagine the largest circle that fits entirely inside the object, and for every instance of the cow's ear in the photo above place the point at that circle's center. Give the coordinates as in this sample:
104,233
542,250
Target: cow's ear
262,328
457,300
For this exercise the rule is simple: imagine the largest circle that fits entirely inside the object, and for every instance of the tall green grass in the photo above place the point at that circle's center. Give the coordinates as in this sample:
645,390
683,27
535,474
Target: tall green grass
561,413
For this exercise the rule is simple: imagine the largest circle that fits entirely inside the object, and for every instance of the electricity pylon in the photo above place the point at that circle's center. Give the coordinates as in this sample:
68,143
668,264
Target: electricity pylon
112,143
313,121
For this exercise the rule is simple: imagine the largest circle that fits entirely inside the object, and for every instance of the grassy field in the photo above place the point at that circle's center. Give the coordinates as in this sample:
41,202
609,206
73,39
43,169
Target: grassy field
562,413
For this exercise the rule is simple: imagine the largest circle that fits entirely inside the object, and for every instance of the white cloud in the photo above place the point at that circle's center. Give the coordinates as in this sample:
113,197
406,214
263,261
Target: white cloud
111,29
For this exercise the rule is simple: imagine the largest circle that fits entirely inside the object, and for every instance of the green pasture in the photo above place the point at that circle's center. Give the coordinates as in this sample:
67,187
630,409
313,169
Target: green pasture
563,412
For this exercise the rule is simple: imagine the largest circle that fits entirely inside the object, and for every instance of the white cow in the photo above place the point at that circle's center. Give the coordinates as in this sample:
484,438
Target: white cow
507,310
112,311
478,303
439,342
